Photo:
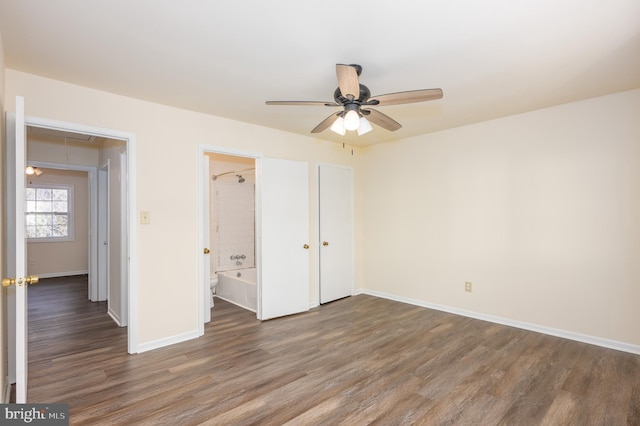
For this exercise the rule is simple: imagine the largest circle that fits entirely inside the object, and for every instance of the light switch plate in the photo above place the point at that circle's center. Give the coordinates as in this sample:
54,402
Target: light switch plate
145,218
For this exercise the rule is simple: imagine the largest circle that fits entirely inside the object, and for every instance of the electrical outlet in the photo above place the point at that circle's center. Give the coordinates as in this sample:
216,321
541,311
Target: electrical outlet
467,286
32,261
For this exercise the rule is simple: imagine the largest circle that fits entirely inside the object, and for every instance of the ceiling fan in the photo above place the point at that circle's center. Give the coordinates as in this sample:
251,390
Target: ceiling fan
32,170
355,99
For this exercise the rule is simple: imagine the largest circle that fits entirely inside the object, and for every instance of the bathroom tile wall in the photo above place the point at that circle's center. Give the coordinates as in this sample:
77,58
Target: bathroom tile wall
234,223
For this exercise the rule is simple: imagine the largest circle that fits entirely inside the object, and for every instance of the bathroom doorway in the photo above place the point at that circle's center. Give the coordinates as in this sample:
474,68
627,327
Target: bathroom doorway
281,238
232,228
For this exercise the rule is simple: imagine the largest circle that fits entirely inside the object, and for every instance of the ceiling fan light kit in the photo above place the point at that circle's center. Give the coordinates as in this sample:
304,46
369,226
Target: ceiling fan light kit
365,126
353,115
338,126
31,170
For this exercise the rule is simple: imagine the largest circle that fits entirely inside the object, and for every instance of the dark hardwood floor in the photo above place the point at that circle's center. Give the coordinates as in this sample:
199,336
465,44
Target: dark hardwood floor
357,361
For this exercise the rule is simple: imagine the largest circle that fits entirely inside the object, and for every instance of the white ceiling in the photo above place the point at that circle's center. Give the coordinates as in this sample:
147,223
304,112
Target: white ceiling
492,58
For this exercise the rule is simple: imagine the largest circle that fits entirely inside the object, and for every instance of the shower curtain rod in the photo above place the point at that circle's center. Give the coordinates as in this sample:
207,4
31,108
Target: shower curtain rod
232,173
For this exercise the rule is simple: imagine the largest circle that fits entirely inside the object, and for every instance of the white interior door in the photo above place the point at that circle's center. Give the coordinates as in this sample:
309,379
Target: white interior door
102,291
205,235
283,237
124,246
16,249
336,232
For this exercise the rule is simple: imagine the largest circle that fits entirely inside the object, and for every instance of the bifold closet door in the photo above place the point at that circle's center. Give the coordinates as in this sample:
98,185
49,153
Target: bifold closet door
336,232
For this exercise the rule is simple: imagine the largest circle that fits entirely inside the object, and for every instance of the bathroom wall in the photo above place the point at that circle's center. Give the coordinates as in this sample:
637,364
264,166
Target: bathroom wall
234,216
232,213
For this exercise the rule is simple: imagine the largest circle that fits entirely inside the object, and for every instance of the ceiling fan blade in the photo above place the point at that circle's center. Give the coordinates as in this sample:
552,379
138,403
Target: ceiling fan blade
382,120
348,80
303,103
326,123
408,97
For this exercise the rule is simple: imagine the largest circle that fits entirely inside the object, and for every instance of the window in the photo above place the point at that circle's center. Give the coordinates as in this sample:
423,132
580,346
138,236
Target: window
49,212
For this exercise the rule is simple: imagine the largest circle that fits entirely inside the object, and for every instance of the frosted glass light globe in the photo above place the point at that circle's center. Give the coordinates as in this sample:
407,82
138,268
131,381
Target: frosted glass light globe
351,120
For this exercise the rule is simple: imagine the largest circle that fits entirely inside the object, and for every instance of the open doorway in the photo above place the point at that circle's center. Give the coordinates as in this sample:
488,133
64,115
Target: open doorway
105,156
76,244
232,229
281,226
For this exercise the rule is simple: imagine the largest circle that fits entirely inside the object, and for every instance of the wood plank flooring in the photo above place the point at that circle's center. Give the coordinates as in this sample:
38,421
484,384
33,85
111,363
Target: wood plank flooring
357,361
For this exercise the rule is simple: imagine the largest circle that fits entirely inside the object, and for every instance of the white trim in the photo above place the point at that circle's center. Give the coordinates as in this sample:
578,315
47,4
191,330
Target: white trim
584,338
130,142
166,341
114,317
63,274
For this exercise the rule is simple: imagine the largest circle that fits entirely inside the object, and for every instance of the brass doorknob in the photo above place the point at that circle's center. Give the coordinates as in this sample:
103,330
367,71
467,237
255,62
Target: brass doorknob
8,282
324,243
306,246
206,251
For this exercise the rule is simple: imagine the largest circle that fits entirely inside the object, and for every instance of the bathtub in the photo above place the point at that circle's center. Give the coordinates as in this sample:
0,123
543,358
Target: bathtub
238,287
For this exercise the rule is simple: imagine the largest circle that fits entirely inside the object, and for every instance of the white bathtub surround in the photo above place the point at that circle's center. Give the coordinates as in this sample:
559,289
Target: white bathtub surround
234,224
238,287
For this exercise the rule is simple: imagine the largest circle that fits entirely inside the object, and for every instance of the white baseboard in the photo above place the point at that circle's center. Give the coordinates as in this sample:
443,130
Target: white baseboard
62,274
156,344
584,338
114,317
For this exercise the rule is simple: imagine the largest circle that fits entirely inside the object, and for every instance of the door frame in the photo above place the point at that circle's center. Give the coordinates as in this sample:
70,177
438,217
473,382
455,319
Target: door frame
204,313
128,211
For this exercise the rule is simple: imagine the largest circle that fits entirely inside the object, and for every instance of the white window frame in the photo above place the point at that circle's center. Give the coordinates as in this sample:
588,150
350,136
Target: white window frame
70,213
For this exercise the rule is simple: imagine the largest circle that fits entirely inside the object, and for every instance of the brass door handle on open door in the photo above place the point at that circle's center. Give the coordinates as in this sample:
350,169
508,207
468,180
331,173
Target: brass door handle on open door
206,251
8,282
306,246
324,243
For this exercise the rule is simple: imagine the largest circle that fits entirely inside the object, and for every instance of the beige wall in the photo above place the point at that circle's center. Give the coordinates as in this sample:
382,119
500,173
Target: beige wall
539,211
47,259
167,181
55,150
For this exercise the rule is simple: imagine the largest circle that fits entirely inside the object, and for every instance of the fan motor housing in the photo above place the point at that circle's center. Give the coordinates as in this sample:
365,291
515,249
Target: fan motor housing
363,96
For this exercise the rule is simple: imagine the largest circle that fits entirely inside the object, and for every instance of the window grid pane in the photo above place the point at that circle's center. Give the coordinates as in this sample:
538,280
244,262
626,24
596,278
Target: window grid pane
47,214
